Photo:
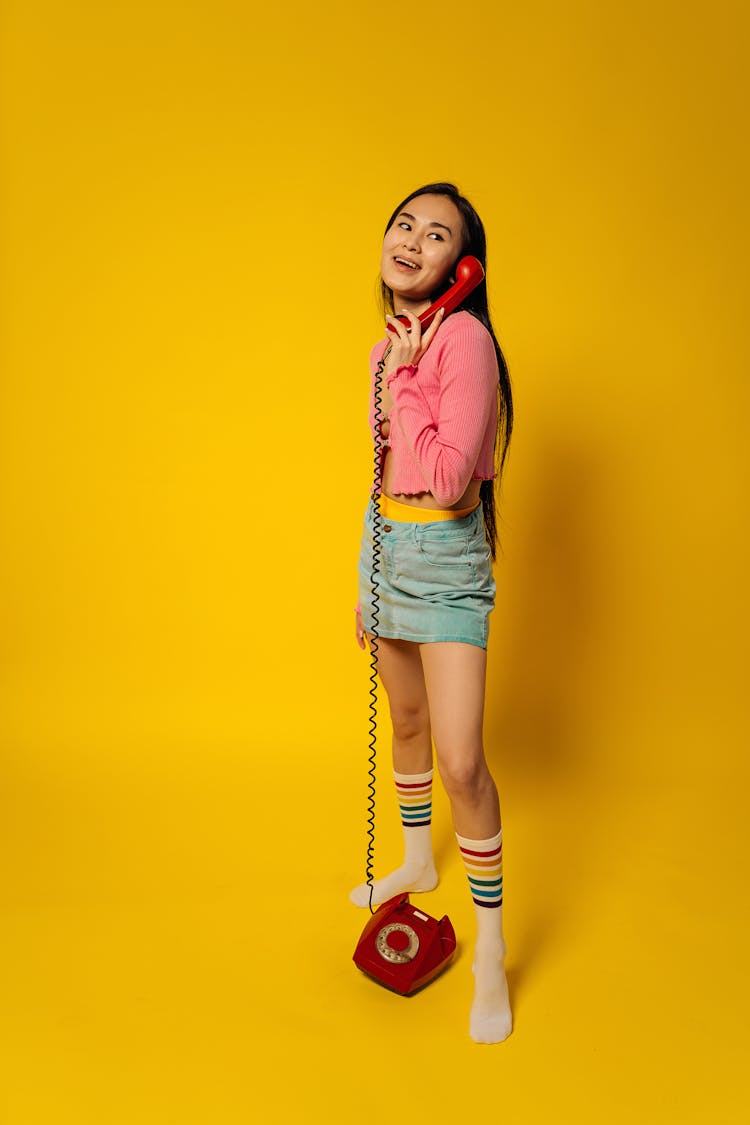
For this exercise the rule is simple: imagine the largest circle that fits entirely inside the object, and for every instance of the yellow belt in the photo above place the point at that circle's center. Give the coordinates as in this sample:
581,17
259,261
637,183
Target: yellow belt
393,510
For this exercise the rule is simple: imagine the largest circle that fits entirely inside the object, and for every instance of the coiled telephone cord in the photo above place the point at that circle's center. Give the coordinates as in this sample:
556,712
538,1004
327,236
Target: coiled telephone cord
376,540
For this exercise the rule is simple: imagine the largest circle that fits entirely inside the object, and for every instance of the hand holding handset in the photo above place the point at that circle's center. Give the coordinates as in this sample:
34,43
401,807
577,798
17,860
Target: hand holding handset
408,349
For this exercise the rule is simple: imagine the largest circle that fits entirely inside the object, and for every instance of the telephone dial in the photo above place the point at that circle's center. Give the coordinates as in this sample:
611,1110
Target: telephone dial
402,947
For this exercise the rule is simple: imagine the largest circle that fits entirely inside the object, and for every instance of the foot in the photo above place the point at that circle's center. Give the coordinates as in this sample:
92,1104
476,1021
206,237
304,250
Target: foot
409,877
490,1020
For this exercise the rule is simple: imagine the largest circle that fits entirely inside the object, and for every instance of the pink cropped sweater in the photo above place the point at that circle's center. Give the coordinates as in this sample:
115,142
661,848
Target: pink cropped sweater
444,413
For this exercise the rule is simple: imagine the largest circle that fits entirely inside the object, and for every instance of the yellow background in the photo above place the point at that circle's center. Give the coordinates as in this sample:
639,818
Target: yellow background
193,202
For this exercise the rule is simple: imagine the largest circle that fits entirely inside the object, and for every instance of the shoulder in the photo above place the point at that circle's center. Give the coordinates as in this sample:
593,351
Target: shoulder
464,338
462,325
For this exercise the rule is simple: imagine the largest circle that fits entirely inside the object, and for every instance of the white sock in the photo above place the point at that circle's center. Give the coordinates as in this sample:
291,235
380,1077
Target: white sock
417,872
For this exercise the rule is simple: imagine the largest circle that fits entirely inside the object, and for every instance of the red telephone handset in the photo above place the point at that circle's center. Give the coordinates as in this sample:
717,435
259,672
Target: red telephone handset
469,274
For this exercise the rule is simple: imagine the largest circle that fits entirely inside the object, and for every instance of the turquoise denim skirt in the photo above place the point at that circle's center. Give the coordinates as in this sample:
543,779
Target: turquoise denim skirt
434,581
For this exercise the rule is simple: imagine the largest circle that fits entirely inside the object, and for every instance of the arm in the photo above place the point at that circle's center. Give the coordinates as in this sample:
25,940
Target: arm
446,449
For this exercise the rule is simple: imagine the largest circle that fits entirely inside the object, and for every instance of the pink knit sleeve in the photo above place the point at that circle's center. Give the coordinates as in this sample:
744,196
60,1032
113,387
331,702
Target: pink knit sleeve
446,449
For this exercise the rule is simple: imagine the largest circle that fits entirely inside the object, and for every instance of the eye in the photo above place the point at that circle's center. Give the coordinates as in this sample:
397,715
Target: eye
434,234
404,224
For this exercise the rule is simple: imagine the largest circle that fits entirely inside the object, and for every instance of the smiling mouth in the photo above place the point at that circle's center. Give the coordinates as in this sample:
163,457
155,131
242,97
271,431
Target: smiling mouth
406,262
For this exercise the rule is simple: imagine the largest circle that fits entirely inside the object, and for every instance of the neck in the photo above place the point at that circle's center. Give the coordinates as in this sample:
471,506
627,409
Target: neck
411,305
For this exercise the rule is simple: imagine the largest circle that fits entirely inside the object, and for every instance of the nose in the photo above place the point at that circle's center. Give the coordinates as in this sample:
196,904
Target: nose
411,241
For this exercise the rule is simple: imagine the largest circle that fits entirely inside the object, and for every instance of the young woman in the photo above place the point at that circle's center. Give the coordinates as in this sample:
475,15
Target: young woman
443,430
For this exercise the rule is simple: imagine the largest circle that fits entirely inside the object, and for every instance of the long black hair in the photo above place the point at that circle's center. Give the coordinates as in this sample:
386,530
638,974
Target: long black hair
475,243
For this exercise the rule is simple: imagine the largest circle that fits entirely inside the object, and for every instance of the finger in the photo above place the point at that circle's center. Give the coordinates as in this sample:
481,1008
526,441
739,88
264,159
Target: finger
398,328
427,338
415,325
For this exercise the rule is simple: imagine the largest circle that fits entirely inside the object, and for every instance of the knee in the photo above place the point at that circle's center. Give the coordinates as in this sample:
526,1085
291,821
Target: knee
465,777
410,722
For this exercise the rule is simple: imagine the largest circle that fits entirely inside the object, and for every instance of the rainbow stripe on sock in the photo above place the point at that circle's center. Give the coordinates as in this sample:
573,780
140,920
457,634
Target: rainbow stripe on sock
414,793
483,860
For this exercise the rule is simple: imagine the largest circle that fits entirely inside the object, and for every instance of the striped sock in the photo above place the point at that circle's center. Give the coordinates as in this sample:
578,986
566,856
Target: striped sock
490,1020
417,872
483,860
414,791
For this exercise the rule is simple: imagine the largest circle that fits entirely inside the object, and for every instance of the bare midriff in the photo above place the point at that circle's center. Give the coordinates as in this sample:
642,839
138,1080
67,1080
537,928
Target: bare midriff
424,499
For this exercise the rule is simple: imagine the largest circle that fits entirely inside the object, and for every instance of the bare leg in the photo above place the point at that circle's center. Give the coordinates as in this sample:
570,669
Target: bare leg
400,671
455,682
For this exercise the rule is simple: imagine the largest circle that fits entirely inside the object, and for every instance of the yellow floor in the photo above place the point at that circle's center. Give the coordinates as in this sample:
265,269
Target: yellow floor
176,951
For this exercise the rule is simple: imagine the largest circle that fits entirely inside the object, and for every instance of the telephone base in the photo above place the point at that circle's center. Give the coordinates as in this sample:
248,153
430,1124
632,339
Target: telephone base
403,948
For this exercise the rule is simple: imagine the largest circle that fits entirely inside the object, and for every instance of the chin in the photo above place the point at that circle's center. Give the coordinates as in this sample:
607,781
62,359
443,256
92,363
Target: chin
403,283
412,292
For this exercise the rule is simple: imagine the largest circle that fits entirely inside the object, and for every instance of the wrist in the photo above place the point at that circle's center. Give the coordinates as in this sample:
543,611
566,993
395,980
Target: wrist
406,369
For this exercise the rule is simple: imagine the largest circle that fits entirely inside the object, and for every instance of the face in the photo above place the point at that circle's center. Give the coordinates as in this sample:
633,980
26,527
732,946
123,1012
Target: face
420,248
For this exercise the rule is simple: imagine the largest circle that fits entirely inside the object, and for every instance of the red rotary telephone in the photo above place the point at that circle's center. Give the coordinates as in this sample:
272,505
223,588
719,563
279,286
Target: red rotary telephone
403,948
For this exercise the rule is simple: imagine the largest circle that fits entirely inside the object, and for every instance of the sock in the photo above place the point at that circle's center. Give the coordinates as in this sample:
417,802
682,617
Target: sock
414,791
490,1020
483,860
417,873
